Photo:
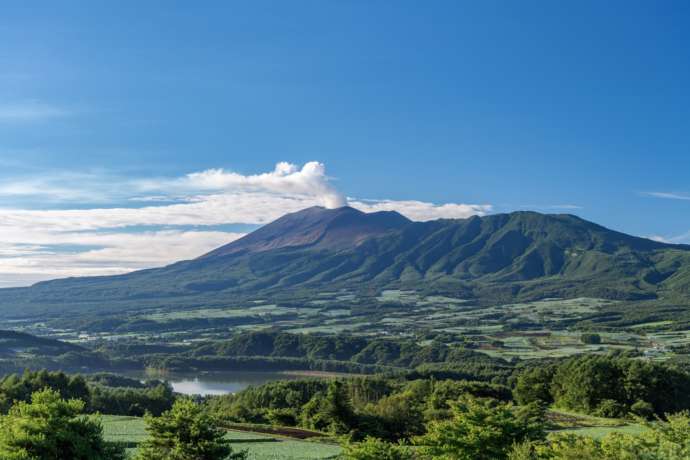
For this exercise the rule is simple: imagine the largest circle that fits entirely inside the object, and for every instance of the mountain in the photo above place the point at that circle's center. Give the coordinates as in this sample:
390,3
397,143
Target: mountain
496,258
316,227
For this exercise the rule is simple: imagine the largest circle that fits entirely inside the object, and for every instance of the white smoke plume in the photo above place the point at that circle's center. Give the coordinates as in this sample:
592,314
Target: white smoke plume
285,179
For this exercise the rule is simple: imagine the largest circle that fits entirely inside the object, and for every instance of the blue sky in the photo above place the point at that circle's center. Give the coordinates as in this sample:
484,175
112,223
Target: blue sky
173,116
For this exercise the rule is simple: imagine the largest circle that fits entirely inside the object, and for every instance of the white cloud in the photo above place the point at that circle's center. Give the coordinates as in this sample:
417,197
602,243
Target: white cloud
217,209
680,239
422,211
29,237
308,182
668,195
286,178
29,111
659,239
105,253
683,238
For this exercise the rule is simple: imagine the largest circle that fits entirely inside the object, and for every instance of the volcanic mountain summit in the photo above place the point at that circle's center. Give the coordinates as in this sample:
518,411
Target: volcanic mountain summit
316,227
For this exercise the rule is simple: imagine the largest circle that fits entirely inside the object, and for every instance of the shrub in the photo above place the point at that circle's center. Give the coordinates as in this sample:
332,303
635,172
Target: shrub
481,429
642,409
376,449
51,428
185,432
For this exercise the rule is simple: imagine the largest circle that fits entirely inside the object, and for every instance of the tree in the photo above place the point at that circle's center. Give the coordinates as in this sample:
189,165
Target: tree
185,432
590,338
611,385
376,449
331,412
583,383
400,415
481,429
534,385
51,428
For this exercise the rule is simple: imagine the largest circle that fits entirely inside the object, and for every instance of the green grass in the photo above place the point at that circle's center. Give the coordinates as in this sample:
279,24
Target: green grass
289,450
563,421
119,428
260,446
652,324
598,432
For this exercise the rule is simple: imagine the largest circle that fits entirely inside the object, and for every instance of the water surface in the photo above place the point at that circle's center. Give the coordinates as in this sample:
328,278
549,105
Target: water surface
215,383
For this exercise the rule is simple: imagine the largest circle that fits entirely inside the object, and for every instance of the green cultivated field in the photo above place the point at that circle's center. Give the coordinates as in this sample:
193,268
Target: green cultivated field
548,328
131,430
591,426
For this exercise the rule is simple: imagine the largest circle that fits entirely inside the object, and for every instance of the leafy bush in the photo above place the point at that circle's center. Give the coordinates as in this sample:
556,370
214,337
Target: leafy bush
376,449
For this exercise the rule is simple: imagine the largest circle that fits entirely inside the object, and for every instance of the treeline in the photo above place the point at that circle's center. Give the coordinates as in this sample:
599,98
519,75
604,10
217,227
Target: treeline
402,407
366,406
280,351
398,352
260,364
476,428
363,354
273,351
101,393
608,386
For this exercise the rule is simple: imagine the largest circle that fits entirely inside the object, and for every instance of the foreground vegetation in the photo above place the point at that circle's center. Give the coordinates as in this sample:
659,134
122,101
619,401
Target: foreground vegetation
537,412
51,428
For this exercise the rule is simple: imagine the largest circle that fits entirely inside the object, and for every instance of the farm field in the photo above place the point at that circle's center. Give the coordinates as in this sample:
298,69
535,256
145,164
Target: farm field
261,446
549,328
132,431
591,426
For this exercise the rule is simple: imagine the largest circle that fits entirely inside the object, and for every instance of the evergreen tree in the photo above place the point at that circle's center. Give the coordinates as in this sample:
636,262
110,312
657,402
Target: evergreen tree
481,429
50,428
186,432
331,412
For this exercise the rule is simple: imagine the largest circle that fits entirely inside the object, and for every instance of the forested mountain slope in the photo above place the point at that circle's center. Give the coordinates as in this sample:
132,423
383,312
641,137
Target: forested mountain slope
521,255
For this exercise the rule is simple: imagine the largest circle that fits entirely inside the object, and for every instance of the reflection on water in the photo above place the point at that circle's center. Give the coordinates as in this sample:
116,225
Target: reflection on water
216,383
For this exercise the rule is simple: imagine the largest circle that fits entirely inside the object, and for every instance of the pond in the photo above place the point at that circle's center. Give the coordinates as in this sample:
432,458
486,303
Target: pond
215,383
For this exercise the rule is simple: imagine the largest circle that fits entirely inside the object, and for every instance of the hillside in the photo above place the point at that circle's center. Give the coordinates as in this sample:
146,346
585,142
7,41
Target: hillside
496,258
14,343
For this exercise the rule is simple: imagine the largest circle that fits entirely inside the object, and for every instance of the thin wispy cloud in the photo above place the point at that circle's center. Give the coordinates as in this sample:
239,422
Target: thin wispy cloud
668,195
81,187
659,239
178,211
30,111
683,238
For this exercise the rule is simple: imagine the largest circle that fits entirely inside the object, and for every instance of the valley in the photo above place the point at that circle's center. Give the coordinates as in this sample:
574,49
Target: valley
549,328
